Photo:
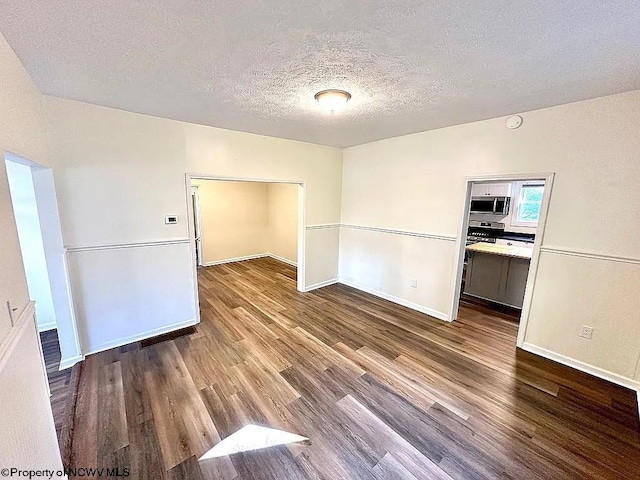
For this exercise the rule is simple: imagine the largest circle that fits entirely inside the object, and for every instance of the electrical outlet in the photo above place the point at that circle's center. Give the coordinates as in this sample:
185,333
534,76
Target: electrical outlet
414,283
586,332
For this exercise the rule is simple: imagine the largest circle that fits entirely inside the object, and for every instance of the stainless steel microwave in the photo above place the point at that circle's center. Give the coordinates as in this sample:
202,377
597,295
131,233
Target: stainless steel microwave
490,205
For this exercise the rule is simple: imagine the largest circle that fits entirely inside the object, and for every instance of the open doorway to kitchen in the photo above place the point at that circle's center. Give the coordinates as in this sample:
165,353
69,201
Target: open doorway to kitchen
238,223
502,230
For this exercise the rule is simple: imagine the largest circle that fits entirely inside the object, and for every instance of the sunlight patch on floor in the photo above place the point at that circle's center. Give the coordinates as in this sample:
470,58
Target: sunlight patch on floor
252,437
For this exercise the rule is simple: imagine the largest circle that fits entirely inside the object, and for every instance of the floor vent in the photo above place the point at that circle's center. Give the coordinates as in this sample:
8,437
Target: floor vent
167,336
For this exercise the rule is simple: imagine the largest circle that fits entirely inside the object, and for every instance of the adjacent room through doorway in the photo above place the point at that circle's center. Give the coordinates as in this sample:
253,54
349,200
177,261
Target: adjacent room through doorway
239,221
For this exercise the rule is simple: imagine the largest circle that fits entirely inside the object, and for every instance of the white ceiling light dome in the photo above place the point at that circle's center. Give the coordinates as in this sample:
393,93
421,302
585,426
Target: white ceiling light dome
332,100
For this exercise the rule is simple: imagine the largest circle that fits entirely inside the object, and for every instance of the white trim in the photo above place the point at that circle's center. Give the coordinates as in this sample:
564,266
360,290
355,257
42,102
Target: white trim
235,259
110,246
198,176
70,362
320,226
583,254
301,275
582,366
142,336
72,305
191,229
197,226
282,259
505,177
326,283
45,327
395,231
405,303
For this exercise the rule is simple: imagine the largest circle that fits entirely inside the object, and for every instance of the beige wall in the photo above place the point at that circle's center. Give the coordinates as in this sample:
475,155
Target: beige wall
245,219
234,219
283,221
589,267
26,421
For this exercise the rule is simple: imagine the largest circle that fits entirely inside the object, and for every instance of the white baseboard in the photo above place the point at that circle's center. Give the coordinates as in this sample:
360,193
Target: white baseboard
282,259
142,336
405,303
326,283
45,327
235,259
70,362
583,367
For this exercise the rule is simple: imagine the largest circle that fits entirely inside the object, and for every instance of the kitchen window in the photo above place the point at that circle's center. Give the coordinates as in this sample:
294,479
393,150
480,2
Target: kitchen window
528,204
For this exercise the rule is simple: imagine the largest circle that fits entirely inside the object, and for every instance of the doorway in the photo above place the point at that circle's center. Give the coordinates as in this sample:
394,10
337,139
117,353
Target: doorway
237,219
499,244
35,209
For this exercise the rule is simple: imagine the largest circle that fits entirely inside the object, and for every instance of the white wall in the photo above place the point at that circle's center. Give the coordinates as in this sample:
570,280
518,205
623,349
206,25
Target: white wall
121,292
283,221
416,183
27,219
26,420
118,174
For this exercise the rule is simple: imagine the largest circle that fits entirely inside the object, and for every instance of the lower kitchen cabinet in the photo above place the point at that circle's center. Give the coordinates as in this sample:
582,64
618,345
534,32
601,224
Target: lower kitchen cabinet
497,278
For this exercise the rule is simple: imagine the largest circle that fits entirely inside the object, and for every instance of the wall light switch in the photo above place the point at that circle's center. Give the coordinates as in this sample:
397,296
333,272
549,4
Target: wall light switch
414,283
586,332
171,219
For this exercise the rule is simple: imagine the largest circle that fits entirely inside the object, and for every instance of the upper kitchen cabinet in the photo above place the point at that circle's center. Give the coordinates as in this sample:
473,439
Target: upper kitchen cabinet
491,189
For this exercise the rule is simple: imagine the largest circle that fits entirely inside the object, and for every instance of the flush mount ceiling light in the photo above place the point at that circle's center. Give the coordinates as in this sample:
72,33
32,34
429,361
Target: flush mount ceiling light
332,100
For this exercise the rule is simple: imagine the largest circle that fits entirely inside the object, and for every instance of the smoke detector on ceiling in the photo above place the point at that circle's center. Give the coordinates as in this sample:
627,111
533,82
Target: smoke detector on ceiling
514,121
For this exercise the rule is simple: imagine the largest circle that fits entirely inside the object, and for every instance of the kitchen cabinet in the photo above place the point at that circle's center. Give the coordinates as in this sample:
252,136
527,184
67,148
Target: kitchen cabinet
491,189
498,278
517,273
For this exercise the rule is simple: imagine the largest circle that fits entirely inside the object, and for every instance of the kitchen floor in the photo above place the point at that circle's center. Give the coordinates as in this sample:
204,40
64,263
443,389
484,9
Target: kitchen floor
379,390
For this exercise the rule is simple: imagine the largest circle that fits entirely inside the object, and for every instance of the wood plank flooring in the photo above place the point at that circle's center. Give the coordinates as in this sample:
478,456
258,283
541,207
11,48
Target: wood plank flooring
381,391
59,381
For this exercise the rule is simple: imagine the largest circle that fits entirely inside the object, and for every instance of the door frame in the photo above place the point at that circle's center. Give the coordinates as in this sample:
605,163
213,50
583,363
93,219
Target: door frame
198,223
548,178
56,257
301,283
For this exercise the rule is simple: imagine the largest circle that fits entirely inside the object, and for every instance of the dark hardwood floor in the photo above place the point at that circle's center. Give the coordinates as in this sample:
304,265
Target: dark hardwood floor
59,381
381,391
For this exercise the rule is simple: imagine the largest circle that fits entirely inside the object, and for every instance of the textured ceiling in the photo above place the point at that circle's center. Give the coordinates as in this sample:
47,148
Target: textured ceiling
411,65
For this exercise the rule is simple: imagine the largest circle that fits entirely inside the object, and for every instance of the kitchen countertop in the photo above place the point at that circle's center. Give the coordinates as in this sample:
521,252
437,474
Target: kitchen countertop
505,250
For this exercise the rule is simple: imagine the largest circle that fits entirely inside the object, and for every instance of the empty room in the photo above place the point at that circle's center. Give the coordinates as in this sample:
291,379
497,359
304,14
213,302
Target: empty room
320,240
